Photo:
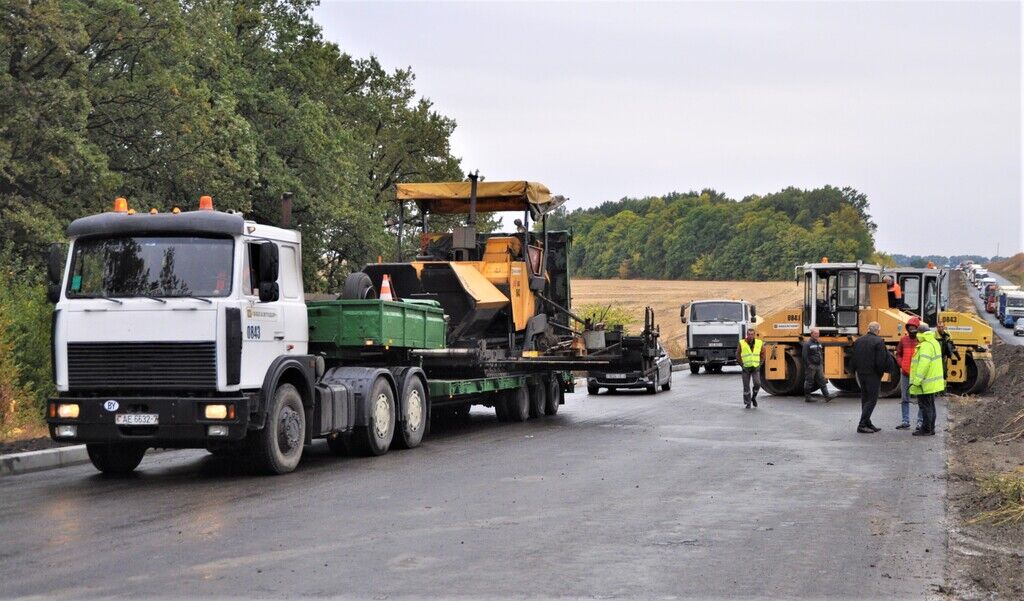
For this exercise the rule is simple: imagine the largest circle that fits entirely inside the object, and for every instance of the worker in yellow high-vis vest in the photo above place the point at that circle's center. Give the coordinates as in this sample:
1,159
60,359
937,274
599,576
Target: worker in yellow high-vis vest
750,354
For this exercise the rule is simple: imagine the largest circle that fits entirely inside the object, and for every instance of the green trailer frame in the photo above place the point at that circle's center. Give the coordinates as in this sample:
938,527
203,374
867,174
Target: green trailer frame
339,325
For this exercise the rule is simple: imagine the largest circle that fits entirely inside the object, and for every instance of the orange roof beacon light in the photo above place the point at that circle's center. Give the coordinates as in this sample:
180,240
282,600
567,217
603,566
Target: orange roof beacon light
175,210
131,211
120,205
824,259
205,203
153,211
931,265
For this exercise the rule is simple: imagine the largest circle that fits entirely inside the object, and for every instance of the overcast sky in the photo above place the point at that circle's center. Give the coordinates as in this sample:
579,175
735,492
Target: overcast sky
918,105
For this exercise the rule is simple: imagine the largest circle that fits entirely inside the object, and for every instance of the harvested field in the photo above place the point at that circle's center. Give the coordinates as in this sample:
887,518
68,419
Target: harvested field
665,296
985,440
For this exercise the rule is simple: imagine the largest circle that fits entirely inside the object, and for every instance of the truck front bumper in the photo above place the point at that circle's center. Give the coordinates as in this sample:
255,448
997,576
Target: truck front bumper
181,421
717,356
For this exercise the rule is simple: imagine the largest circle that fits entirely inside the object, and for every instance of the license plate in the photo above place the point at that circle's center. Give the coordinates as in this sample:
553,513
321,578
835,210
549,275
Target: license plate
615,376
714,344
136,419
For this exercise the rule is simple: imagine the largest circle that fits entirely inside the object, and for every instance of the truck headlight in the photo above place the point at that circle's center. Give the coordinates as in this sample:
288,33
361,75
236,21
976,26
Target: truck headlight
218,411
68,411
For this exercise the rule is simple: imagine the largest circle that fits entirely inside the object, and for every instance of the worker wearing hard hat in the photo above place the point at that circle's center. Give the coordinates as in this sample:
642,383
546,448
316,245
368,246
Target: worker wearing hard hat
750,354
904,354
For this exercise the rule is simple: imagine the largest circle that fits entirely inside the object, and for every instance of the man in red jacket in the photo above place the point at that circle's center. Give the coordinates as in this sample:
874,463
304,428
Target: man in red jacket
904,354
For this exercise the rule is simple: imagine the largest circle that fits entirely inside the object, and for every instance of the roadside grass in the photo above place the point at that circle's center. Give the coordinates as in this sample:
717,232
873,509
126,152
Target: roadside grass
1008,488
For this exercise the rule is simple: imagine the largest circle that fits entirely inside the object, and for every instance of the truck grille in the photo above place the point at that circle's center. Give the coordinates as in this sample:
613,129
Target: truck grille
715,341
145,365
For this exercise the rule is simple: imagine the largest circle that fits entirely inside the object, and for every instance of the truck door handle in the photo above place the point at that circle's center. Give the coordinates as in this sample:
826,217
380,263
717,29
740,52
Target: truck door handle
278,336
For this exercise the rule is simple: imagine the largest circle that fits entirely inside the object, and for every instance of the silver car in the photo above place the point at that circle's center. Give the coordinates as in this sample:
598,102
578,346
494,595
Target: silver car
1018,328
659,375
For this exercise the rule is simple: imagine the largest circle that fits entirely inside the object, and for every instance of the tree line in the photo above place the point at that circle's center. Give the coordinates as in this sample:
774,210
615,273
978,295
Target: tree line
708,236
162,101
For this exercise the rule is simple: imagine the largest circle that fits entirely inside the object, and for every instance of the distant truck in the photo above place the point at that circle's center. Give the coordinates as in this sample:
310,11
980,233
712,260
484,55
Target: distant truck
713,331
1010,307
989,293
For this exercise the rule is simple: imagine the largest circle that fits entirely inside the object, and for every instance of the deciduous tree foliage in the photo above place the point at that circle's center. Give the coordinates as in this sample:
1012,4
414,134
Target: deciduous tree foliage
164,100
708,236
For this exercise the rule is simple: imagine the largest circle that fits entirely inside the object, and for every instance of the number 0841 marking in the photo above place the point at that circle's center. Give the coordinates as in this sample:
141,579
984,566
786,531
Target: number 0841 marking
252,332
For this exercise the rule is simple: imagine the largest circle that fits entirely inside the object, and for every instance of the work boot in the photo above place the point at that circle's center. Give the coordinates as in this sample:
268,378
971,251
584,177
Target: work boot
753,400
874,427
746,404
919,433
903,426
865,430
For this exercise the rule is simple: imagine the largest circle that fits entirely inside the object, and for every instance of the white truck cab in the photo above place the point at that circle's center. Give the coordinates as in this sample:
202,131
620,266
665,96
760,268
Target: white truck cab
714,329
154,315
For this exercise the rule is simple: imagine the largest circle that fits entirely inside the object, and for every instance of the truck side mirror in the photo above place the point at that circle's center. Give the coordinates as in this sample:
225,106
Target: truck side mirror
269,271
682,313
753,312
54,271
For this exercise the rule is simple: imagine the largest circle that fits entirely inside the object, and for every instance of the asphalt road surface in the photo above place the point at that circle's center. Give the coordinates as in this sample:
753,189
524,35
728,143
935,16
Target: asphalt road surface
1005,333
680,494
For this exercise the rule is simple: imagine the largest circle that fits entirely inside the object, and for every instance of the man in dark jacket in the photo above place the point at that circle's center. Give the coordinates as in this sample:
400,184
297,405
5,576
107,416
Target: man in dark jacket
948,347
813,354
870,361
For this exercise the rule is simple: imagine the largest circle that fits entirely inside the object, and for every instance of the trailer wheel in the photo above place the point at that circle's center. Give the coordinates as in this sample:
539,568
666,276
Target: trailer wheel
115,459
694,368
375,439
554,396
593,389
358,286
518,404
277,448
414,414
537,397
501,406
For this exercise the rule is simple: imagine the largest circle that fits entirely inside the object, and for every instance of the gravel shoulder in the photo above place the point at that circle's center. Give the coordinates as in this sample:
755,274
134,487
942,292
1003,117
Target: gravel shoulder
984,561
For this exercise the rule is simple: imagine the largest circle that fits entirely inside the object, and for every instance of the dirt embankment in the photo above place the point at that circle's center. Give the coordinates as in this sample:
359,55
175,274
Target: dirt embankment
1011,268
665,296
985,439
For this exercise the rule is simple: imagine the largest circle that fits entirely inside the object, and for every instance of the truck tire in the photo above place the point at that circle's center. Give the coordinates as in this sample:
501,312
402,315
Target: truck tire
375,439
277,448
538,397
115,459
358,286
518,404
593,388
414,419
694,368
501,406
554,396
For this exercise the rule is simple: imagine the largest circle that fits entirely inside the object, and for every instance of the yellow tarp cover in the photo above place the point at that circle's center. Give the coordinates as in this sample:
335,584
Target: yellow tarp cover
453,197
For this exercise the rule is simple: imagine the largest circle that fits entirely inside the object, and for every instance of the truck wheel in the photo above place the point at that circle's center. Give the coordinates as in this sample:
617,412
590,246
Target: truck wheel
358,286
501,406
414,409
553,398
277,448
518,404
593,388
115,459
694,368
538,399
375,438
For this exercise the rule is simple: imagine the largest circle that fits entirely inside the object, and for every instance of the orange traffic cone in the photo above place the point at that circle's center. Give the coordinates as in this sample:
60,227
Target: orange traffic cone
385,289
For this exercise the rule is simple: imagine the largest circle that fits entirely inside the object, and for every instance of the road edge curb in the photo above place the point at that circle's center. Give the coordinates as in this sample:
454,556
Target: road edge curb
26,462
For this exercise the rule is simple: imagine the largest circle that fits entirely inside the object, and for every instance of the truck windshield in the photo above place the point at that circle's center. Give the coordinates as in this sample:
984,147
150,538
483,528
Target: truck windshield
151,266
1015,302
716,312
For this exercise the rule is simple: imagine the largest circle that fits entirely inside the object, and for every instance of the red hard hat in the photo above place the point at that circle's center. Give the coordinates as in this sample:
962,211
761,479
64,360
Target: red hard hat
914,321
